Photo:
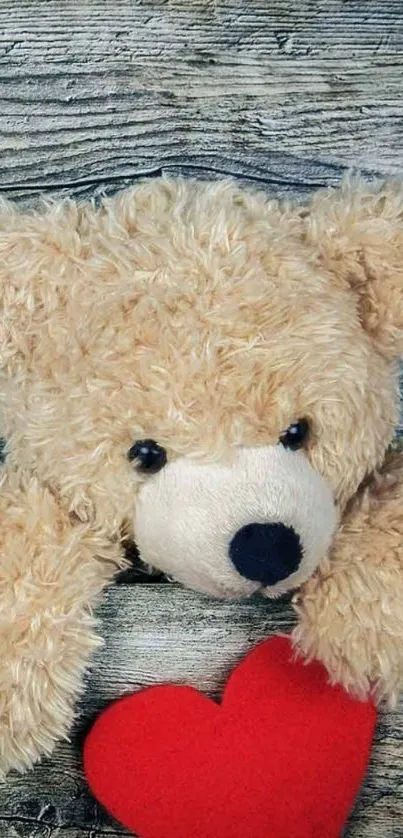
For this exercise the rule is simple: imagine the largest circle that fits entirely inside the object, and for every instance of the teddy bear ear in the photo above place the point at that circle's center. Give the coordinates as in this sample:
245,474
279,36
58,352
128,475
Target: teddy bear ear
356,233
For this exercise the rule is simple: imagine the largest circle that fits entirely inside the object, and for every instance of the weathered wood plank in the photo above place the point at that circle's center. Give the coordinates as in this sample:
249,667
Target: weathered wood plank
95,93
163,633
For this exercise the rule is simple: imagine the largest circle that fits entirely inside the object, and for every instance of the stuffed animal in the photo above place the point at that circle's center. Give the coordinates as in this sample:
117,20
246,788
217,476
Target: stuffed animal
213,375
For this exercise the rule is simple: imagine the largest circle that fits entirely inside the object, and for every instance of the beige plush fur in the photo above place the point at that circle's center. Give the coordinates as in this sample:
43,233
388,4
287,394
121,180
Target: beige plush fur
206,317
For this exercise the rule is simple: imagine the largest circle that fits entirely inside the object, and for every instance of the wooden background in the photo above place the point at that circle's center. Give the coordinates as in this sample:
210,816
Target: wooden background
95,94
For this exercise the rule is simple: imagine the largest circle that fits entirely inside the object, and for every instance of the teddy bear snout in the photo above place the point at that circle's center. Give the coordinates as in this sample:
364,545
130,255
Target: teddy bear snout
266,553
259,521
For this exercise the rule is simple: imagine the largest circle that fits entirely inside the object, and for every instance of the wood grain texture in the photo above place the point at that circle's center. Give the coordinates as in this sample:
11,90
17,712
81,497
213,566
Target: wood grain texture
96,93
163,633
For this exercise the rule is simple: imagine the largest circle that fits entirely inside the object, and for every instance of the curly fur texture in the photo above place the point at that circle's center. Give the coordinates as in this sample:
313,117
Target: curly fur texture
350,613
206,317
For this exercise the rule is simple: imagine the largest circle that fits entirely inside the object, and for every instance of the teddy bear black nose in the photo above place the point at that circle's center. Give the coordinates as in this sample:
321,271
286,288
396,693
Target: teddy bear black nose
266,553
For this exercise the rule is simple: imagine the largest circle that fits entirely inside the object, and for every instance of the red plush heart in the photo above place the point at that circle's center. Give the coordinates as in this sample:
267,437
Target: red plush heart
283,757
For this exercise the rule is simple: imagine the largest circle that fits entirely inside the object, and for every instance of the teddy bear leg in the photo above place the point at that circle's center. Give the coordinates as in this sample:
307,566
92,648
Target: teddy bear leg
351,611
51,570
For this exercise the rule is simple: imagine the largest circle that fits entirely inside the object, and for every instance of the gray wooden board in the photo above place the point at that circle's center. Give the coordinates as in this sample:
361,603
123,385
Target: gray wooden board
95,94
161,633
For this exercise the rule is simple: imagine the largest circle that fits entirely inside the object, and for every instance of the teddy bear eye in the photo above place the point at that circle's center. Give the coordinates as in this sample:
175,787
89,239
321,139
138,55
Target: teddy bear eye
296,435
151,457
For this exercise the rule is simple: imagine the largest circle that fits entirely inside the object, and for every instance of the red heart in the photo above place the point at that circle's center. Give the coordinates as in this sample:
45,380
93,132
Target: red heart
283,757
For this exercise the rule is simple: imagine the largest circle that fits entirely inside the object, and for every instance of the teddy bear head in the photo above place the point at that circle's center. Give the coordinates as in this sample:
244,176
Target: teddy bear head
205,371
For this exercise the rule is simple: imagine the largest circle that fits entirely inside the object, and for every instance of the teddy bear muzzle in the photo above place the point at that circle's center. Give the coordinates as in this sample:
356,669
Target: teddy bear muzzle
260,522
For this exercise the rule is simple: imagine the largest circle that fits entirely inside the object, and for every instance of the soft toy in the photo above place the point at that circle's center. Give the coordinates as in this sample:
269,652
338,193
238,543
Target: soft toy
213,375
283,755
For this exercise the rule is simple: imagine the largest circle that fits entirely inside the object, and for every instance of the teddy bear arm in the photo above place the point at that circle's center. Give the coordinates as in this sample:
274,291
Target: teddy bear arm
51,571
351,612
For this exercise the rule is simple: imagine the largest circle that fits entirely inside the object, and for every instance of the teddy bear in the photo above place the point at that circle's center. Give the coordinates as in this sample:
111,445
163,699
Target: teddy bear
210,374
